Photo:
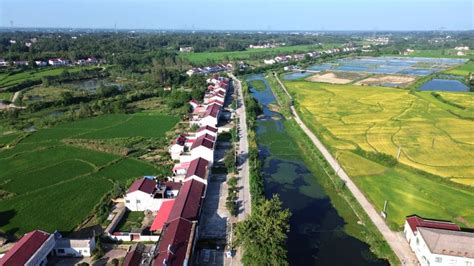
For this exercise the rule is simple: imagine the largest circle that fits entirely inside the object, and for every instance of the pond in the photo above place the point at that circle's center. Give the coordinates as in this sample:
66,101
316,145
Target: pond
416,66
296,75
317,235
93,84
444,85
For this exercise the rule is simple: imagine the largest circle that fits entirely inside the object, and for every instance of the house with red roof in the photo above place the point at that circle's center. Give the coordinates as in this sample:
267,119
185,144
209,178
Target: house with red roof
194,103
211,116
176,244
32,249
206,130
162,216
203,147
439,242
145,194
198,170
177,147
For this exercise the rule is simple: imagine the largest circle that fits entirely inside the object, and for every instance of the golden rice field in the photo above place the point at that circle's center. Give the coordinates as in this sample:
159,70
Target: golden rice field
430,137
383,120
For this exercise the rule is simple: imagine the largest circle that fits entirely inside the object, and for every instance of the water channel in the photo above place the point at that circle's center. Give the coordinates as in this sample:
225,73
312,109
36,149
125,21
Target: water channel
317,235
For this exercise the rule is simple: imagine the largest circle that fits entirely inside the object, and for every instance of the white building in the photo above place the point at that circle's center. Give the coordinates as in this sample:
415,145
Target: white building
203,147
439,242
206,130
211,116
198,170
66,247
147,195
41,63
177,147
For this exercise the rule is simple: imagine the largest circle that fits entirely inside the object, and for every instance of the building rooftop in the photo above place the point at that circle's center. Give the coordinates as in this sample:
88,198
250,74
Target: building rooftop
448,242
72,243
415,222
162,215
212,129
198,167
144,184
213,110
188,202
174,247
25,248
203,141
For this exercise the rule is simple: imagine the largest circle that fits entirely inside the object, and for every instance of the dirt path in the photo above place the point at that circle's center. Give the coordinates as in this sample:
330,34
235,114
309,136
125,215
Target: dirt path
396,240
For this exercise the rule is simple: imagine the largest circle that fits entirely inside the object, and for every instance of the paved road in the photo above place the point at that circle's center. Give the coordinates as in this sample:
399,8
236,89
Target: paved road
244,193
394,239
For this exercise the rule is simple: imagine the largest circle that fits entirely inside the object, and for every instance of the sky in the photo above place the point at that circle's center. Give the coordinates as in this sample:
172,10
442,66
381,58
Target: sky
272,15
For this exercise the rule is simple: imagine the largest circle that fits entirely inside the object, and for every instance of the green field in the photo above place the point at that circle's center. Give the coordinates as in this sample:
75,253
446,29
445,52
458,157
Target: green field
204,57
380,120
440,53
7,80
52,186
6,95
462,70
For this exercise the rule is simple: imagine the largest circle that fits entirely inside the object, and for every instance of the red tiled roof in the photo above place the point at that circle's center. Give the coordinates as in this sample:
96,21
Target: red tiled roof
203,141
209,137
212,129
415,221
198,167
213,110
25,248
216,101
133,258
188,202
174,243
194,101
162,215
144,184
173,185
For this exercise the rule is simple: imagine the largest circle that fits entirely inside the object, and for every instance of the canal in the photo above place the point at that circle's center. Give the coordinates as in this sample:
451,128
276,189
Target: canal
317,235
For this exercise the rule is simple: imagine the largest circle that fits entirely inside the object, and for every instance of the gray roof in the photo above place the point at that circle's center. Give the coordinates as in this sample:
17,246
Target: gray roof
72,243
448,242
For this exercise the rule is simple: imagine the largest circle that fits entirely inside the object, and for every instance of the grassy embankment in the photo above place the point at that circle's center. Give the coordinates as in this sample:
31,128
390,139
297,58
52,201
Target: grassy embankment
204,57
380,120
48,184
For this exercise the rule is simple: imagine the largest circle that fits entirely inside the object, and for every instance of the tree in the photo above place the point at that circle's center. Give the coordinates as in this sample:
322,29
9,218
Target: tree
263,234
229,161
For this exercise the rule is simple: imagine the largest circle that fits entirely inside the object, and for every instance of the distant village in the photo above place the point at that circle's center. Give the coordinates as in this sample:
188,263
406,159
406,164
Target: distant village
55,62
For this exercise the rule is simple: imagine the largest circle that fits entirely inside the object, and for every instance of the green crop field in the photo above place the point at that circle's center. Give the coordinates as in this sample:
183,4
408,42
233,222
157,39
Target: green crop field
13,79
47,184
382,120
202,58
462,70
441,53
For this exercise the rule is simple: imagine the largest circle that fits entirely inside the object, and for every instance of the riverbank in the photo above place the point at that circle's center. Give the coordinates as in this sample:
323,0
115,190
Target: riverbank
358,223
320,224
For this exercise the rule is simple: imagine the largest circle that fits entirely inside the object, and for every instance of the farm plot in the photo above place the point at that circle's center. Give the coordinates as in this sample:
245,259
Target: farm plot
394,122
47,184
387,81
336,77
